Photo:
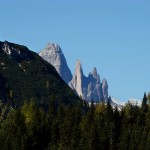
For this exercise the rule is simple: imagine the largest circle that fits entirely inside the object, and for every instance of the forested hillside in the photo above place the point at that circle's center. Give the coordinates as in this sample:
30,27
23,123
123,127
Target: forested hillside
24,75
78,127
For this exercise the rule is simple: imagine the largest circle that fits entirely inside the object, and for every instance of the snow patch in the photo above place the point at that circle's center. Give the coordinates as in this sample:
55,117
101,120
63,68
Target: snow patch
135,101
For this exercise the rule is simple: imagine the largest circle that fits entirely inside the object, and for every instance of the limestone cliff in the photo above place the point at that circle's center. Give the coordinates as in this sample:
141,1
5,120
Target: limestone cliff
52,53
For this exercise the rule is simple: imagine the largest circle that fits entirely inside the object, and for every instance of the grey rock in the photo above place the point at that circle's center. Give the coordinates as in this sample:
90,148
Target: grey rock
89,88
77,81
52,53
105,90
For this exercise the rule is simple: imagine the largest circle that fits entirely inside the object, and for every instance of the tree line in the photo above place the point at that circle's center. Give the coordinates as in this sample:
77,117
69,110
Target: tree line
75,127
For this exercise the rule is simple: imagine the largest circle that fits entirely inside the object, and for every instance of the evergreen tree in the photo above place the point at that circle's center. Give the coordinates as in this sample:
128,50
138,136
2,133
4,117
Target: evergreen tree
142,145
13,133
76,132
144,106
35,120
109,126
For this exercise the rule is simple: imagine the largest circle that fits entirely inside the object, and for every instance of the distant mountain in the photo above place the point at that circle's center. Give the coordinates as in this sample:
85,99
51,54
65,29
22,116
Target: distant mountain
115,102
52,53
134,101
24,75
89,88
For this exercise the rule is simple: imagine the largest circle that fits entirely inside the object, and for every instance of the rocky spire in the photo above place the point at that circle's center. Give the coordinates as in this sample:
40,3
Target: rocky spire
105,90
52,53
90,88
76,82
94,73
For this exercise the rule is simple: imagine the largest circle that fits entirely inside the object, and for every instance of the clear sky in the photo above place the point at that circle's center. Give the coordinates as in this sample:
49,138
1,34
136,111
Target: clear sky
111,35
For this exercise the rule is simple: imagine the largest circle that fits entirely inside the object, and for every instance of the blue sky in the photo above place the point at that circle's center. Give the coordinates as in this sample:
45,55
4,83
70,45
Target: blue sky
113,36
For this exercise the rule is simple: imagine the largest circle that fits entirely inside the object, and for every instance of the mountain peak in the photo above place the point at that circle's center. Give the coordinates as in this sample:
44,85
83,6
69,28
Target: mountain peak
78,62
94,73
52,48
104,81
52,53
78,67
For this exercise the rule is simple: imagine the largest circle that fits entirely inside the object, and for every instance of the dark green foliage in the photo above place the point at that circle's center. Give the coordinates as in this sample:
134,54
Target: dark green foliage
68,127
13,133
144,107
26,75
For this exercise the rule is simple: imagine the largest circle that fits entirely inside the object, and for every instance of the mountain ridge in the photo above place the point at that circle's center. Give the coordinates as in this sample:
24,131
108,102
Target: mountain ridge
25,76
89,88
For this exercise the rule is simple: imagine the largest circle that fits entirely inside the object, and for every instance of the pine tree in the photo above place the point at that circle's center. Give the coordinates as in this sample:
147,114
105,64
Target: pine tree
35,120
13,133
144,106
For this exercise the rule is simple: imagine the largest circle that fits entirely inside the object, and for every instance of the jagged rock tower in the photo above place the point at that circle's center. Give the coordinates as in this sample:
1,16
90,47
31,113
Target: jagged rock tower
77,82
89,88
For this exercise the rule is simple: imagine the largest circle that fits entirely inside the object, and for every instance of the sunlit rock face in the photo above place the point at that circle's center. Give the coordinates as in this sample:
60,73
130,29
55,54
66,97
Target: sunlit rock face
52,53
91,87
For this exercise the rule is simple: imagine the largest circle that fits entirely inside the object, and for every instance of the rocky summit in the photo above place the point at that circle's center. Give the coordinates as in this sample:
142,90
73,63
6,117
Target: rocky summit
52,53
89,88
